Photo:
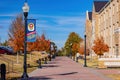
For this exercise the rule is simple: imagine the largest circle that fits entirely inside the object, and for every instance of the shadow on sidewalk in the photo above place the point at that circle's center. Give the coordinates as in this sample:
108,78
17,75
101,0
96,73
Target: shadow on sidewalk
52,62
40,78
49,65
68,73
48,78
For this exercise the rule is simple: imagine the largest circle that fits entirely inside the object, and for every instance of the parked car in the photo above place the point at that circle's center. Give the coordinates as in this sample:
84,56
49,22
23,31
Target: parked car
6,50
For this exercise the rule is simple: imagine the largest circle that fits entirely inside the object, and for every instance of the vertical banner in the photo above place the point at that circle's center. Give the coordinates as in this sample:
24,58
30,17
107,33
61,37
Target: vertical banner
31,30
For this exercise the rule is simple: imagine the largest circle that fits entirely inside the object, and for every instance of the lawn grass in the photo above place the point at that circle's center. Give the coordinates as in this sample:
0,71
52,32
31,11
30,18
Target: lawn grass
16,69
93,63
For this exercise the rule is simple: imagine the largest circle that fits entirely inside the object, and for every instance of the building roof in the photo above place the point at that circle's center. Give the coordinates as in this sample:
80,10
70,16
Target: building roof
90,15
99,5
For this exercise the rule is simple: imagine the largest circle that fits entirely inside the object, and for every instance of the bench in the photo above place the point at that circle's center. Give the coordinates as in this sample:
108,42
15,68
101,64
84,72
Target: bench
108,62
112,64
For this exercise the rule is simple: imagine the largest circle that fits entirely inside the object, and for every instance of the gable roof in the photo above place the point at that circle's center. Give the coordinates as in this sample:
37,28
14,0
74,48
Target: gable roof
99,5
90,15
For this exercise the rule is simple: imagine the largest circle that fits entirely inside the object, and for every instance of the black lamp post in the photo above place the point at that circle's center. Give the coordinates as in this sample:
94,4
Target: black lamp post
117,50
25,11
50,52
55,51
71,50
85,64
66,51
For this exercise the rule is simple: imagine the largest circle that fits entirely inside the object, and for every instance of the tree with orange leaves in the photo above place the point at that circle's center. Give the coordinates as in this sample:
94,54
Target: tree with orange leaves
73,42
100,47
16,34
44,44
41,44
16,38
75,48
82,50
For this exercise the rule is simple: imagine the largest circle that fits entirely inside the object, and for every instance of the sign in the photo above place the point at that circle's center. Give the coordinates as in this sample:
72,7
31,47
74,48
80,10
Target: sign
31,30
117,30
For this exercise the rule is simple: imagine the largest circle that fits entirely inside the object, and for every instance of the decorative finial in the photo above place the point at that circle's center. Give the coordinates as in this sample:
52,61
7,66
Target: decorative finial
87,16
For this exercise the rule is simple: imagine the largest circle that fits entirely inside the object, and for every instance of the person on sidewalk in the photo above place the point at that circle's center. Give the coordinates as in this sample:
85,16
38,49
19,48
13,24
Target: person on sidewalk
77,56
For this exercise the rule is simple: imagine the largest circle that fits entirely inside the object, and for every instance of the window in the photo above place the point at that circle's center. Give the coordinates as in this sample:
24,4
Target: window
117,6
110,14
113,9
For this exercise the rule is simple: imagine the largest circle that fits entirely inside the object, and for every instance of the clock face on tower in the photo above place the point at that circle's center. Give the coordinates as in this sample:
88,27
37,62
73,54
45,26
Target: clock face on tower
30,27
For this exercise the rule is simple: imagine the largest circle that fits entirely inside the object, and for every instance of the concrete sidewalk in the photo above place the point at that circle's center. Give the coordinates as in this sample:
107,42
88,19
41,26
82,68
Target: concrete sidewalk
63,68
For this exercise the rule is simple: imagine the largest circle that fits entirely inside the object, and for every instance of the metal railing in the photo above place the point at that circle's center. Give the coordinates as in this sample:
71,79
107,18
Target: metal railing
9,63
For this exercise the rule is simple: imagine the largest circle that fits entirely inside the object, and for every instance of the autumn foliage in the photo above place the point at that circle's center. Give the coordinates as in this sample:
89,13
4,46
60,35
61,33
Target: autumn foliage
16,34
82,50
100,47
75,40
16,38
41,44
75,48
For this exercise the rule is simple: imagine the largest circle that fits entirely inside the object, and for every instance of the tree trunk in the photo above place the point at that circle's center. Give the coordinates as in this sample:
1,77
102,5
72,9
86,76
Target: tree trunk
100,56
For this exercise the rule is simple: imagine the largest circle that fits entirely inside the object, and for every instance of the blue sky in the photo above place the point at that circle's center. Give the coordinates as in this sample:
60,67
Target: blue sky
55,18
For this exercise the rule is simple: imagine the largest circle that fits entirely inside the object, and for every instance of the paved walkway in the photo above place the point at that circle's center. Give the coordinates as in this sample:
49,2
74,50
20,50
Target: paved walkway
63,68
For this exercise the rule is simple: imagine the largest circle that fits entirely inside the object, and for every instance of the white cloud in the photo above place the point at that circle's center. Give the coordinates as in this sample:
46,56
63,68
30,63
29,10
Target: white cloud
59,43
69,20
62,22
6,21
9,15
59,27
39,16
56,27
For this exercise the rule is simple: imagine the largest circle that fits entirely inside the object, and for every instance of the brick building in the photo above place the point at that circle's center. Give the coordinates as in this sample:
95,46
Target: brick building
105,21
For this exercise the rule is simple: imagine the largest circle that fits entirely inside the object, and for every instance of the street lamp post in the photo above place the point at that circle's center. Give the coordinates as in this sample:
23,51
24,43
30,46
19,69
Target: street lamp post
85,64
117,50
66,51
71,50
55,51
25,11
50,52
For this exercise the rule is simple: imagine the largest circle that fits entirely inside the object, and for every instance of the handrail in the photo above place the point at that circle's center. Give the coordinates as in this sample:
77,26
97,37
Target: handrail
8,61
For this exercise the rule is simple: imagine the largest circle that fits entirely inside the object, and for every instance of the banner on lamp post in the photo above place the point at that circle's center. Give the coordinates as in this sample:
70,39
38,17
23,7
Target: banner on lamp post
31,30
